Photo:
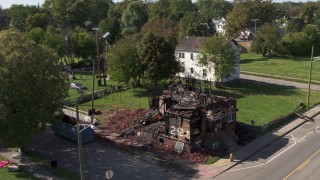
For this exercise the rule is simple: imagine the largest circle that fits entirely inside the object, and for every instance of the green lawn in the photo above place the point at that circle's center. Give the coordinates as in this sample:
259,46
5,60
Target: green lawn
132,98
86,80
265,102
293,67
260,102
6,175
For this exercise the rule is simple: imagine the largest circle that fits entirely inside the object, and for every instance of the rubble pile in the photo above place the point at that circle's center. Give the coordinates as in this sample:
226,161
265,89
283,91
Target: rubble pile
124,123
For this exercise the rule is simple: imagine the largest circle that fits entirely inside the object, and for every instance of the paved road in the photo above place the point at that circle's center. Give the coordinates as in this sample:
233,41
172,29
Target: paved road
294,156
100,158
280,82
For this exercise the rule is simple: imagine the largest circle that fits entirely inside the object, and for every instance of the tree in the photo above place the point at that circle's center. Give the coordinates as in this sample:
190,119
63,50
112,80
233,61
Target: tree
4,19
294,25
37,20
85,45
313,34
18,15
112,25
157,57
159,9
243,14
55,40
219,54
296,44
178,8
214,8
134,17
193,25
32,90
164,27
266,39
123,61
36,34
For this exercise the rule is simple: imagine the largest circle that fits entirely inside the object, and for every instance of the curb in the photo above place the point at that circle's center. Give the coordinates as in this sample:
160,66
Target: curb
268,144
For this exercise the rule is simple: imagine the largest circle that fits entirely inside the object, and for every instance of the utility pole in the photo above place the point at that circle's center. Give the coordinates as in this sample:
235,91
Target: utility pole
79,143
97,43
308,99
255,25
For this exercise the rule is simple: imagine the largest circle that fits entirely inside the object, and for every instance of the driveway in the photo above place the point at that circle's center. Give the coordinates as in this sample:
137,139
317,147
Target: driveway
99,158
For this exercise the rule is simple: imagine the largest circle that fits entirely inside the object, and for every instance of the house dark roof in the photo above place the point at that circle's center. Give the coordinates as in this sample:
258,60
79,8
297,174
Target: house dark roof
190,43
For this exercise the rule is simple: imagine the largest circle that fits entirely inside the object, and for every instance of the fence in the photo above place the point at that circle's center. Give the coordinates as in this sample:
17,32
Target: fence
97,94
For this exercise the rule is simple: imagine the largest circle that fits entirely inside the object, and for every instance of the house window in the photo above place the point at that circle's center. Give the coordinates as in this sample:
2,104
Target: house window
191,56
181,55
230,117
191,70
204,73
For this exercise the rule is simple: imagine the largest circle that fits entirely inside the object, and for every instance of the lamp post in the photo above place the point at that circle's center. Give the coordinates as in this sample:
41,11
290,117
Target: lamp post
105,36
255,25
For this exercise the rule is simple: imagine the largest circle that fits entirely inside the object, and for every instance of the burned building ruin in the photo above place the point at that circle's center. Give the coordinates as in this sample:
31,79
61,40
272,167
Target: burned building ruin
195,119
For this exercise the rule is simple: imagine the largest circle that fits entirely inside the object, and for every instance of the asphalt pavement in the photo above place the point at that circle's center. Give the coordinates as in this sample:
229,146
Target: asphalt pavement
279,82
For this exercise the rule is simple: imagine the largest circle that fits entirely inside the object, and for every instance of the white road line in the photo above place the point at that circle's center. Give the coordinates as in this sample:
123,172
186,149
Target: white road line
310,133
263,164
302,138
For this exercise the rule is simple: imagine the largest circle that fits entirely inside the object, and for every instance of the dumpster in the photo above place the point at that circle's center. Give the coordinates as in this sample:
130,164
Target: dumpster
69,131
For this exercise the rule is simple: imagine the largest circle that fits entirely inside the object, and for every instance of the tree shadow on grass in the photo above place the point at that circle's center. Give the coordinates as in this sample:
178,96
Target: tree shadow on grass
244,88
250,60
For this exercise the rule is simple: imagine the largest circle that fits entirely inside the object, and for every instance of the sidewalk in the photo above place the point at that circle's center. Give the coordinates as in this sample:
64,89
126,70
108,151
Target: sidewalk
243,153
30,167
280,82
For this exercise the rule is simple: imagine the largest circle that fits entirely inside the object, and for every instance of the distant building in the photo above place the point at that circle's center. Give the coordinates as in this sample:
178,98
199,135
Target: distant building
244,39
219,24
188,51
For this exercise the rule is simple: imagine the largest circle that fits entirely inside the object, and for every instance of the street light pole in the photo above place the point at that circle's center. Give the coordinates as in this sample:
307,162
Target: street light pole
105,36
98,58
308,99
79,142
255,25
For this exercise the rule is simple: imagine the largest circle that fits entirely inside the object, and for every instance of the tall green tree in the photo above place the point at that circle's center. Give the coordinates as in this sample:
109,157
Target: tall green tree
214,8
55,40
123,61
157,57
178,8
294,25
164,27
18,15
85,45
297,44
40,20
134,17
244,14
220,55
159,9
266,40
32,90
36,34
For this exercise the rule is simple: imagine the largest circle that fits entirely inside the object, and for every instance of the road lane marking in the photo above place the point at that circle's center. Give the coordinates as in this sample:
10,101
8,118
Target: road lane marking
263,164
301,165
310,133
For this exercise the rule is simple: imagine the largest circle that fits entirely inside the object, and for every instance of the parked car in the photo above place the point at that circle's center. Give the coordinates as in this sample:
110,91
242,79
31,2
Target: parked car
77,86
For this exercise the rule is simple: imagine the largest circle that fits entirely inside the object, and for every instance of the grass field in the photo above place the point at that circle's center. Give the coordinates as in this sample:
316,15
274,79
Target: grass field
260,102
294,67
20,175
86,80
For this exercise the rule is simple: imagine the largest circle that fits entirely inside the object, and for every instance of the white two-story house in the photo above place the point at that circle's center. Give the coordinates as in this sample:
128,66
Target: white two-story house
188,52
